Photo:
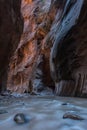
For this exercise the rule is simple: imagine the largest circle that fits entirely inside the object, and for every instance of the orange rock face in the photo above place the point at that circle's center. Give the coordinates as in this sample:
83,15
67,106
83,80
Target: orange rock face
53,44
29,66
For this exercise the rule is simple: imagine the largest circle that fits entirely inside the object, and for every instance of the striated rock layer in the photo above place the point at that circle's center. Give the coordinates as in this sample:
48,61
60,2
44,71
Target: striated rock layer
54,30
69,53
11,25
29,69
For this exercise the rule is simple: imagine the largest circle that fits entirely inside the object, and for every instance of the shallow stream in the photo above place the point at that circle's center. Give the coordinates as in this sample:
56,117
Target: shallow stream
44,113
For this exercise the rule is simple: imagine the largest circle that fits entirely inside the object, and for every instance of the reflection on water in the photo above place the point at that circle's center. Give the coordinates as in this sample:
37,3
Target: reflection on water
44,113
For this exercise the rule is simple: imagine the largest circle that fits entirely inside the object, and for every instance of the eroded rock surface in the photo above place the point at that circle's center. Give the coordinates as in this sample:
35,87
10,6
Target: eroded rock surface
55,26
29,67
69,53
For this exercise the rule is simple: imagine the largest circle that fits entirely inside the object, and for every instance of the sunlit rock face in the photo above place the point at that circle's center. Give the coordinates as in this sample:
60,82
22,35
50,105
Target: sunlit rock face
11,25
69,53
53,44
29,67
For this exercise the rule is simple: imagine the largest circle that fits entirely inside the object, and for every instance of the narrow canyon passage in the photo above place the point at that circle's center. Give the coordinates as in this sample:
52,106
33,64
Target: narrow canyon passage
51,54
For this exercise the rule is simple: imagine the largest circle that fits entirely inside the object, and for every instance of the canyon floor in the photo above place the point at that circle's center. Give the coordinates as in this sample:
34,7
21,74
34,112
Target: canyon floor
42,112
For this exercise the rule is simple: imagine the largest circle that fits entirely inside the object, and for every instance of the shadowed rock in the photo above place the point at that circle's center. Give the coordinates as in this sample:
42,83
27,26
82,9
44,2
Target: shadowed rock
68,60
11,25
72,116
58,23
20,118
65,103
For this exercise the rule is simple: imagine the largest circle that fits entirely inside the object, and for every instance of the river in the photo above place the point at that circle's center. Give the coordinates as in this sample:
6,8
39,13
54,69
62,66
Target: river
43,112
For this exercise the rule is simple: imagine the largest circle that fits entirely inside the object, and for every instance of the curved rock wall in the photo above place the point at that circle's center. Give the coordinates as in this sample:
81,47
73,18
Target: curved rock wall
59,27
29,69
30,63
69,53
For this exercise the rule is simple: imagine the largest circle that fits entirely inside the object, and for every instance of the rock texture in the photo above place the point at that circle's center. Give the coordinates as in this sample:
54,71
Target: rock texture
69,53
20,118
71,115
29,69
53,44
11,25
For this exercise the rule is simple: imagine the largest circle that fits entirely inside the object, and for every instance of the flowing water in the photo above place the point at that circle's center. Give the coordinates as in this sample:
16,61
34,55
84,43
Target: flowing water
44,113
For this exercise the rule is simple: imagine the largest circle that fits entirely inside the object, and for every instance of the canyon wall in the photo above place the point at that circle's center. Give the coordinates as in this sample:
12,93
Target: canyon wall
11,26
69,53
51,52
29,69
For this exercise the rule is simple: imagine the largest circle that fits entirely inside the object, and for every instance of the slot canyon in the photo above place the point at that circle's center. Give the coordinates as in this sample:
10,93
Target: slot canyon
43,65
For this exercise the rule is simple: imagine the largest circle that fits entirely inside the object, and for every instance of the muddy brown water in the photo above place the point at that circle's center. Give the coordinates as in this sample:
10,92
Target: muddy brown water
44,113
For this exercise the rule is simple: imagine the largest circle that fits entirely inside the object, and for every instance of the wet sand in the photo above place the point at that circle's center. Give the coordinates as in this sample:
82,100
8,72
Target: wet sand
44,113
